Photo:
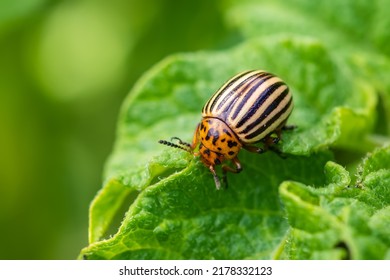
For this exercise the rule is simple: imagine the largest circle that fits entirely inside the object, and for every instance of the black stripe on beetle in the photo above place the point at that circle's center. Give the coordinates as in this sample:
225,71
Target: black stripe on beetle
230,93
271,121
264,96
266,112
249,95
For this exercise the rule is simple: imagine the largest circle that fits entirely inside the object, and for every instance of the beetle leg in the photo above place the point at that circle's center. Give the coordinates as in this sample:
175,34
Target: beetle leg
268,145
227,168
254,149
272,140
279,130
216,179
282,127
278,152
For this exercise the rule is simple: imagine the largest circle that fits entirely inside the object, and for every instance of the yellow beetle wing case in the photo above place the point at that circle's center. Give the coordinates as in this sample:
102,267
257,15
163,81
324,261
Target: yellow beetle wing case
253,104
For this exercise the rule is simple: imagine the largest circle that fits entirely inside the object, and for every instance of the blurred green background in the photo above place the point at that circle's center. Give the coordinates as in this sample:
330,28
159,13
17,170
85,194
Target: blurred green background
65,67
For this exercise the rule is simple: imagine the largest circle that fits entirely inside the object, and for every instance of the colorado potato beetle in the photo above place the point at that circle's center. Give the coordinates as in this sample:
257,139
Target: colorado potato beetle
251,107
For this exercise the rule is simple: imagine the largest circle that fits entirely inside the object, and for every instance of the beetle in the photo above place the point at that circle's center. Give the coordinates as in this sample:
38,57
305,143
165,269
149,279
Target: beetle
251,107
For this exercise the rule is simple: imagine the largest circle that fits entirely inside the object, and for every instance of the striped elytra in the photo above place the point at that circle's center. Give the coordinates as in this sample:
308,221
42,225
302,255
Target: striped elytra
252,106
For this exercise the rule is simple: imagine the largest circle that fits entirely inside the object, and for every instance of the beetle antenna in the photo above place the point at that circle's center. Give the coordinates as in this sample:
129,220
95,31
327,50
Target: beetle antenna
173,145
181,142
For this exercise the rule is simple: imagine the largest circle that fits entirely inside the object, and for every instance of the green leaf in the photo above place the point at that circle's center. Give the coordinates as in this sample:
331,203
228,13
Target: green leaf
174,210
339,220
184,217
